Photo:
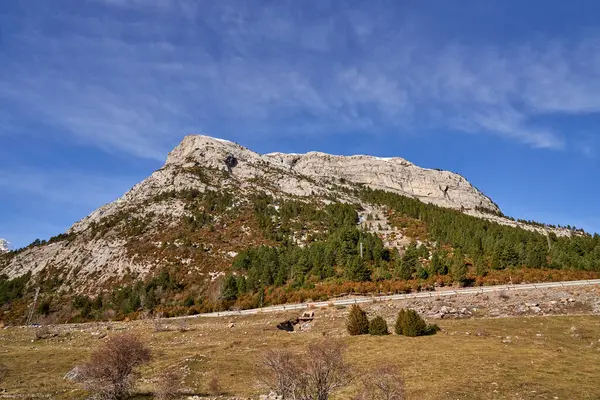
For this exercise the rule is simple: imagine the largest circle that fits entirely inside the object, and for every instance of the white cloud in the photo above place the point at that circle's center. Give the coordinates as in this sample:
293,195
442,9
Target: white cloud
64,187
134,86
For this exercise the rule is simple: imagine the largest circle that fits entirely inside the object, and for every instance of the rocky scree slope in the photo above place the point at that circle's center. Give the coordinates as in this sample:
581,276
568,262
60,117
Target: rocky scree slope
141,231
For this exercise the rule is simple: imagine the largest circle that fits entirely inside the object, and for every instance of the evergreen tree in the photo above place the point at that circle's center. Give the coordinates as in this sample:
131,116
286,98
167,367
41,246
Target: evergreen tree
409,323
378,326
230,290
358,271
357,322
400,321
459,268
438,263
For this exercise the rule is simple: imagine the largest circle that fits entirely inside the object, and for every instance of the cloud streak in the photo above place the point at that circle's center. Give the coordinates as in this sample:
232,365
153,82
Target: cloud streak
134,82
65,188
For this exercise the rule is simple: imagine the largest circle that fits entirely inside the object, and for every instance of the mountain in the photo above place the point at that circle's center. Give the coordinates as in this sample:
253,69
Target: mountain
219,222
208,164
3,246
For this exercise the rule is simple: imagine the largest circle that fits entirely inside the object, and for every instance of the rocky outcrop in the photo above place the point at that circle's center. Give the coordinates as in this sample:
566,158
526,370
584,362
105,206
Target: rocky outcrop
295,175
442,188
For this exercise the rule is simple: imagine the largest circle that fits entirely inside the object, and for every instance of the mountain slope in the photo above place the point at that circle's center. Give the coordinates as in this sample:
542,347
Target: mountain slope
201,163
218,224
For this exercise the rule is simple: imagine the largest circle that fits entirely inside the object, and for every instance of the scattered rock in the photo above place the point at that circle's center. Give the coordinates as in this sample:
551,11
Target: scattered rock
73,375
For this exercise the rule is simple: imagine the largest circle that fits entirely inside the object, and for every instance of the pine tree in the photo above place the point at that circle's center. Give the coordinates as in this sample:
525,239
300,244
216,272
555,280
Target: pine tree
400,321
357,323
378,326
459,268
358,271
230,290
409,323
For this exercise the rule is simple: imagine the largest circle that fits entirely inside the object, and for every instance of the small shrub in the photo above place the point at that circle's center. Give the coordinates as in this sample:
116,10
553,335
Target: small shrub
110,373
159,325
400,321
44,307
214,387
3,372
383,383
168,384
378,327
410,323
315,374
357,323
503,295
182,325
188,302
432,329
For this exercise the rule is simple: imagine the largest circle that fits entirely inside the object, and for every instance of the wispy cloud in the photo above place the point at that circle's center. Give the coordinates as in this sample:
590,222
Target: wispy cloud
65,188
43,203
134,82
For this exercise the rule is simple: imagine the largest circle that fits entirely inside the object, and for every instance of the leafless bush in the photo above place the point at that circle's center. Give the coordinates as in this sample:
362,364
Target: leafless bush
168,384
182,325
503,295
384,383
110,374
214,387
159,325
311,376
3,372
282,371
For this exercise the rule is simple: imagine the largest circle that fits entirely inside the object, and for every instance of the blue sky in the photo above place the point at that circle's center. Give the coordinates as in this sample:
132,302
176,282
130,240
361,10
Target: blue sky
94,93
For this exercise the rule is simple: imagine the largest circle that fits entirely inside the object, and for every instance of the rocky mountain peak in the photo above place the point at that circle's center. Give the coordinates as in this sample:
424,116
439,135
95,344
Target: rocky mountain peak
443,188
4,246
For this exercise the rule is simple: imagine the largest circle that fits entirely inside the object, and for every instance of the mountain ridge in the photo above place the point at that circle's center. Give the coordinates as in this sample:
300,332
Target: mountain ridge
199,162
209,221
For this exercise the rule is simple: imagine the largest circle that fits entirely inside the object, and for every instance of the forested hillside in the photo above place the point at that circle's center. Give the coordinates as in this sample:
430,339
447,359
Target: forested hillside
221,227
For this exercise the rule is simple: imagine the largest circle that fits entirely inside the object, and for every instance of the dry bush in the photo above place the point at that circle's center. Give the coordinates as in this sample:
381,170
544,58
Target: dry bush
110,374
3,372
384,383
314,375
503,294
282,370
168,384
183,325
159,325
214,387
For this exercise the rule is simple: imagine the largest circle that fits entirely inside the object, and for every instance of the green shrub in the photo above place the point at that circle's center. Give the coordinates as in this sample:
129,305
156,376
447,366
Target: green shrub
378,327
189,301
410,323
400,321
357,323
432,329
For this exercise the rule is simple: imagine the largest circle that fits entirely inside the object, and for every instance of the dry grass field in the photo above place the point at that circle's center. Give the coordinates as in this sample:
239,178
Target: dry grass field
554,357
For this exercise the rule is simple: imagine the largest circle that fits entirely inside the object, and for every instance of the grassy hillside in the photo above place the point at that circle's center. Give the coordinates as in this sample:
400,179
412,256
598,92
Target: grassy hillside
507,358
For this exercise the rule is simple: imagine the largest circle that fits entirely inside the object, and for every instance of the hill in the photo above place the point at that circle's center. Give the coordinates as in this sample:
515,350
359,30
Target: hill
220,226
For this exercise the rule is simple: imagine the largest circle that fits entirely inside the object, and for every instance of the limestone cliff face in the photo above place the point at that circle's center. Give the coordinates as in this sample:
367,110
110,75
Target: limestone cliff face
97,247
288,173
442,188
